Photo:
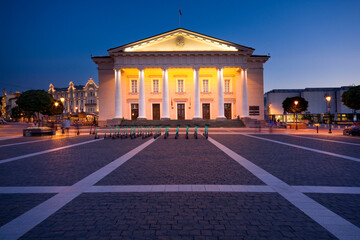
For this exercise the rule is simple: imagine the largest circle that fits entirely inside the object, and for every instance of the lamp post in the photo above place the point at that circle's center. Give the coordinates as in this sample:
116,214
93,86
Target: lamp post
62,101
296,103
328,99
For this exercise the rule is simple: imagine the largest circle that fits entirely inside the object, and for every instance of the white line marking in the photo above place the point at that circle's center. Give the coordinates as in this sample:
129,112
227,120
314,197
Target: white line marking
179,188
7,138
306,148
24,223
327,189
46,151
321,139
33,189
35,141
332,222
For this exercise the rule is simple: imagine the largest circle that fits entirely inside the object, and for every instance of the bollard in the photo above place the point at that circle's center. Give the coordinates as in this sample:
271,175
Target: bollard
317,129
187,132
96,135
166,134
177,132
114,134
195,132
105,132
206,133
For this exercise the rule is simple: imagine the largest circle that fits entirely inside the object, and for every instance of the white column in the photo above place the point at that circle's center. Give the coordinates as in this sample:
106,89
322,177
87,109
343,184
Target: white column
220,80
142,115
245,106
118,103
165,95
196,94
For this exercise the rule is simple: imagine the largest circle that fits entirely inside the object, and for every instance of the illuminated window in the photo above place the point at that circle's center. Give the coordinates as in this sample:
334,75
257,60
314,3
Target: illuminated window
205,85
180,86
227,85
134,86
156,86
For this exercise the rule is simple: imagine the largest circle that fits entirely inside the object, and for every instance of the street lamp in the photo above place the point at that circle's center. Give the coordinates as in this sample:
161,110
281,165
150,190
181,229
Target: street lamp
62,99
56,104
328,99
296,103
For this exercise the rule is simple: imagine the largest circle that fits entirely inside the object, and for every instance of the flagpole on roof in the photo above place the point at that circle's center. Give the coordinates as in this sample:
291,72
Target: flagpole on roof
180,14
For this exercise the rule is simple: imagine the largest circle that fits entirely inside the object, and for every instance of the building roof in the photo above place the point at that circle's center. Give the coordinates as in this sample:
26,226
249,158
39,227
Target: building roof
309,90
177,31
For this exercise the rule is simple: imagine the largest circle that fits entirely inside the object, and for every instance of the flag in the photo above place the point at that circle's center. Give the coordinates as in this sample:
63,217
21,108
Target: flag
180,12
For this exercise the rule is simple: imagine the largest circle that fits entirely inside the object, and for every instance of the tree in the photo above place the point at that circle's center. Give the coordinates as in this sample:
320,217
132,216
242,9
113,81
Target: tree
351,98
17,112
54,109
290,106
35,101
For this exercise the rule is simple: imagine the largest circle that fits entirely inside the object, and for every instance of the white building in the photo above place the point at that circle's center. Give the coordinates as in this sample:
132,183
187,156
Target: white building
318,106
78,98
180,74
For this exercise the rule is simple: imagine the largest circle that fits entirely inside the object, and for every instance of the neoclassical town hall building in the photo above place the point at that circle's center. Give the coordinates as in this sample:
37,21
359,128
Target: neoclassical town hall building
180,74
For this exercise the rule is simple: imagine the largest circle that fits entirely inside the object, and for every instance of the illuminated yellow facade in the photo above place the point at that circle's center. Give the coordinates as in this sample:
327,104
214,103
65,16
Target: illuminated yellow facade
180,75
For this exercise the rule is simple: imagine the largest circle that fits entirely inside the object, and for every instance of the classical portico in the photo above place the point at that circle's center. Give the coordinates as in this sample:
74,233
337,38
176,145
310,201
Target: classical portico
180,75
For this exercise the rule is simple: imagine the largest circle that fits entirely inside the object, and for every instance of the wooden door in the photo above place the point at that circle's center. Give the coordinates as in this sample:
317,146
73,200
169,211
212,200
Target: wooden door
227,110
206,110
156,111
181,111
134,111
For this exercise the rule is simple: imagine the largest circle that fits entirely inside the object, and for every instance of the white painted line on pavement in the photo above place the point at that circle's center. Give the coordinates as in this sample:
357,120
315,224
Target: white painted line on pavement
306,148
321,139
7,138
328,189
179,188
46,151
24,223
35,141
332,222
33,189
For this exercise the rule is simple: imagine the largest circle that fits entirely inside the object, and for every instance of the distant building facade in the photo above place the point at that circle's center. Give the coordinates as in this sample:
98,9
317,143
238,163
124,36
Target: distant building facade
78,98
8,102
318,106
180,75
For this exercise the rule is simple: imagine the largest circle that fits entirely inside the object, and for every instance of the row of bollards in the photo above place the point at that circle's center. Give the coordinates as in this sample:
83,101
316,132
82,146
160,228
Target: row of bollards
143,132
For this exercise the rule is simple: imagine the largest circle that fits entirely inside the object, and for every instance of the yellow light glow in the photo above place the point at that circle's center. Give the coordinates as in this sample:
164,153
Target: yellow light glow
328,98
62,99
296,103
56,104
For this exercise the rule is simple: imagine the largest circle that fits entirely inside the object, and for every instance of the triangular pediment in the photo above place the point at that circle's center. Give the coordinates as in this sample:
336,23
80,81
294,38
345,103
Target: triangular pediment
181,40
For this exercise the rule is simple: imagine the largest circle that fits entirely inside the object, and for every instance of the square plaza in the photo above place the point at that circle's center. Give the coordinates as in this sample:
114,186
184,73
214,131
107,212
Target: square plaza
237,184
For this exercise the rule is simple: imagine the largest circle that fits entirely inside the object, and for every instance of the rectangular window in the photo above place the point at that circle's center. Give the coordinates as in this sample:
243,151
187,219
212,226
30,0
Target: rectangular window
156,86
227,85
180,86
254,110
134,86
82,94
205,85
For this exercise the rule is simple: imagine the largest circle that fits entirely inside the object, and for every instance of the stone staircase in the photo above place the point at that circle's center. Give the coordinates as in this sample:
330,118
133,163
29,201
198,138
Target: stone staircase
183,123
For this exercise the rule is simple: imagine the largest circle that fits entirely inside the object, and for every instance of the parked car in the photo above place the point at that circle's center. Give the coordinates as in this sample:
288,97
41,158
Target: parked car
352,131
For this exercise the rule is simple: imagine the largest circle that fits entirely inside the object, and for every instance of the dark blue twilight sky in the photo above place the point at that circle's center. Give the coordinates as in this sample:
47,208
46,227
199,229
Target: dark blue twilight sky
313,43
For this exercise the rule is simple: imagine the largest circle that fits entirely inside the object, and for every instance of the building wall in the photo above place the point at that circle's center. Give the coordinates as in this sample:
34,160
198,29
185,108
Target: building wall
315,97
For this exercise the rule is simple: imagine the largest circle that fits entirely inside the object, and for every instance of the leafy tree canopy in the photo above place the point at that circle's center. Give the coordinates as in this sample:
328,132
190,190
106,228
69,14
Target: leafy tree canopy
35,101
16,112
54,109
351,98
290,106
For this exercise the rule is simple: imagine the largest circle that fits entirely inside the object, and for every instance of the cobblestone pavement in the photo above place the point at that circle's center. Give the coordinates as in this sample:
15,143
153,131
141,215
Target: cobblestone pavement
334,147
231,186
295,166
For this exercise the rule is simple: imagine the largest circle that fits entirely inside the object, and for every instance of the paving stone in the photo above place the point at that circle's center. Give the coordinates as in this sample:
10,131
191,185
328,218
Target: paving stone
14,205
292,165
64,167
135,208
345,205
180,162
